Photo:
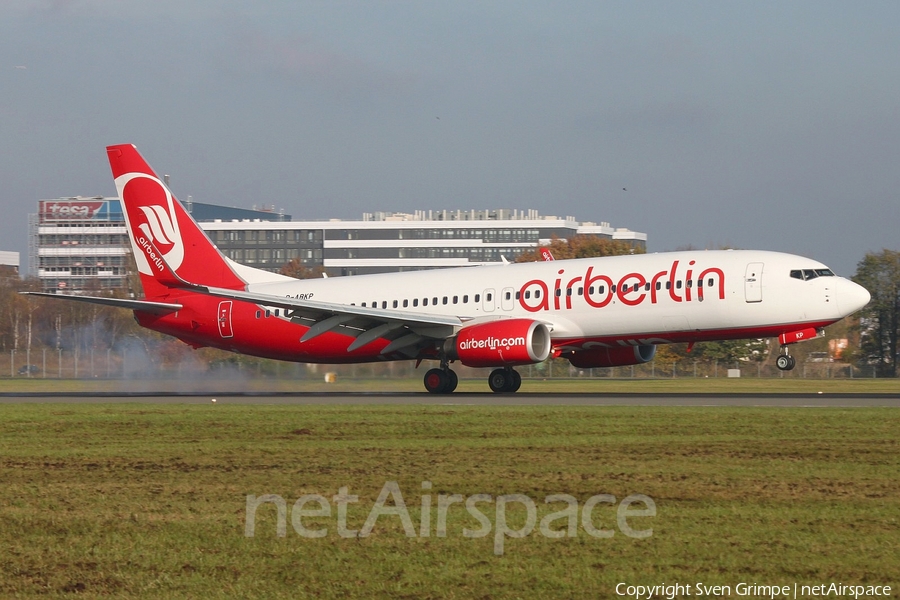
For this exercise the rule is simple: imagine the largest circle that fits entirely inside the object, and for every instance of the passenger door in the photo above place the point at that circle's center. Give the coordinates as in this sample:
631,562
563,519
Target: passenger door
753,282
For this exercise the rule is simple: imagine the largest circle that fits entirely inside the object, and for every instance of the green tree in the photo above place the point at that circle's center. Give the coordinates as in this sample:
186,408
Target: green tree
879,322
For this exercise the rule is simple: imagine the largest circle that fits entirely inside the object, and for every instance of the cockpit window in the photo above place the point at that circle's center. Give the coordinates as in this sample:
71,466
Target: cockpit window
807,274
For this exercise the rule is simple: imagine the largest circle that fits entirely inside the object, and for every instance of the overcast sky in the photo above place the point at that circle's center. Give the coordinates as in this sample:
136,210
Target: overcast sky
769,125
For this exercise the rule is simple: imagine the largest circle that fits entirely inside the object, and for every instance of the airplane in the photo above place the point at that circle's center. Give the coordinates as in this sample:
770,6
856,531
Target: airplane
595,312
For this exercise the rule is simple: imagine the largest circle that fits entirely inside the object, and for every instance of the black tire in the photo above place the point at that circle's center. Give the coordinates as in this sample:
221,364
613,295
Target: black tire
515,382
499,380
793,363
785,362
436,381
452,381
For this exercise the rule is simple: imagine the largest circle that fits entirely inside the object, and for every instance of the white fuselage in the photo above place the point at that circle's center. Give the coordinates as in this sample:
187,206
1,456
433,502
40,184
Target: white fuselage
648,298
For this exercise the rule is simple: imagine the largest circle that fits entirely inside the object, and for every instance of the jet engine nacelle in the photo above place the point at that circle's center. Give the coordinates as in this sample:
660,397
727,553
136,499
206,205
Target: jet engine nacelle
500,343
612,357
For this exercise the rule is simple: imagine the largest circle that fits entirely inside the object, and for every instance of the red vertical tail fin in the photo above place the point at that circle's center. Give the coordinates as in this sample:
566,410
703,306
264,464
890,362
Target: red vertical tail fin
156,221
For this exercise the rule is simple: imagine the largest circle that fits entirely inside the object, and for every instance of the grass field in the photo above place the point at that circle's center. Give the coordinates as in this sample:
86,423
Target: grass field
688,385
150,501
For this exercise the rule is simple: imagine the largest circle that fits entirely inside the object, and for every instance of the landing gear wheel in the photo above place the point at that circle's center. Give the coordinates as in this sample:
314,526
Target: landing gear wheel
516,382
452,381
785,362
436,381
440,381
504,381
499,380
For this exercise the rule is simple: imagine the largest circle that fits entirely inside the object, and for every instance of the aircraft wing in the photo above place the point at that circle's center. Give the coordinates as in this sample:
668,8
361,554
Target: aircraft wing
160,308
313,309
404,330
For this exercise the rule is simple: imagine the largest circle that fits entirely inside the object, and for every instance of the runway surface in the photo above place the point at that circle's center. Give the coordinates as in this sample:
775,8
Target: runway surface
472,399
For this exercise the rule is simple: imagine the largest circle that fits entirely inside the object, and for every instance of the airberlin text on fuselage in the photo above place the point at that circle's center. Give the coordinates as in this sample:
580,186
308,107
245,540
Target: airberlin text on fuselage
631,289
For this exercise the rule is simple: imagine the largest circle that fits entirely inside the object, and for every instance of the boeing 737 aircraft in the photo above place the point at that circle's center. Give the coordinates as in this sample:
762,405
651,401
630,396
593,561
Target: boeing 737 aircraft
595,312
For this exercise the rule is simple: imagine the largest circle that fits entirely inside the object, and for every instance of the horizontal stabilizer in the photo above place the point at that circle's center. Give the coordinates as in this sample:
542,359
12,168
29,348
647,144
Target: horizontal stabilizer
160,308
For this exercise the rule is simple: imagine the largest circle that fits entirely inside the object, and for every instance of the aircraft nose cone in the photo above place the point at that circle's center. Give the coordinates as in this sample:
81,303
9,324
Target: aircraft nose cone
853,297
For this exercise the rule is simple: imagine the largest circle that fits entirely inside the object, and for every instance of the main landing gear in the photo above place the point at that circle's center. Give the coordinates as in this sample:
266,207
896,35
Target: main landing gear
506,380
785,361
443,380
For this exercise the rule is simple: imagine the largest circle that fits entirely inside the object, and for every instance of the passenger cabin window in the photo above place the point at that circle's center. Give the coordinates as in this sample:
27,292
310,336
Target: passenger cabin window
405,303
466,299
477,298
415,302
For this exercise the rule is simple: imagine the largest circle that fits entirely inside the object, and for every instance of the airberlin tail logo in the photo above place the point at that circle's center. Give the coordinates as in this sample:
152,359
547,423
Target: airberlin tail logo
150,213
159,227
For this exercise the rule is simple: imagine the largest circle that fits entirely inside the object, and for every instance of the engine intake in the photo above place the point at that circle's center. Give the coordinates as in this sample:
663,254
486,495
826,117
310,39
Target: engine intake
501,343
612,357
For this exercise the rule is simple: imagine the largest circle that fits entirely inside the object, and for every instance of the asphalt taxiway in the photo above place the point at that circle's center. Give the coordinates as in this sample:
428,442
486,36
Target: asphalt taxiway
473,399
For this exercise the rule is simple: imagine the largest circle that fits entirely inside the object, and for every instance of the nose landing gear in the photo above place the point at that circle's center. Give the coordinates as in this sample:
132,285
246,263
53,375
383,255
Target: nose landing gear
785,361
